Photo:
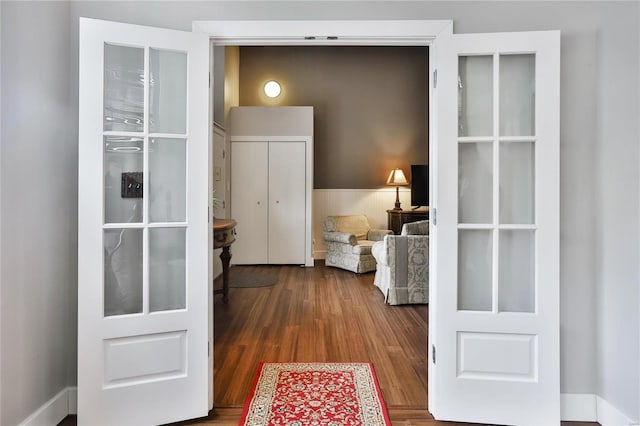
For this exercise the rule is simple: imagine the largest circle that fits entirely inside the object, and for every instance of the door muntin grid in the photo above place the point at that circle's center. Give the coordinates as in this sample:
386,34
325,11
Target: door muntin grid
145,158
496,183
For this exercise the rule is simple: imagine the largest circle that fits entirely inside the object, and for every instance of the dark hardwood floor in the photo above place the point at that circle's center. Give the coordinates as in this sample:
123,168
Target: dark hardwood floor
320,314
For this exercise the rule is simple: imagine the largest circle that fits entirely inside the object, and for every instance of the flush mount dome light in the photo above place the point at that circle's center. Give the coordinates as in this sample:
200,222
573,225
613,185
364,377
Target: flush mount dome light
272,89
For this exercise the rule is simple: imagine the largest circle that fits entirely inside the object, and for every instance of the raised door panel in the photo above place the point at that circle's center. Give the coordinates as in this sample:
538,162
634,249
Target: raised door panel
249,201
287,202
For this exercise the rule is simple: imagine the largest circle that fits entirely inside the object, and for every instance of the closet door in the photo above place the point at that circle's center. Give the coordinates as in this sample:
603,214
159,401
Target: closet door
249,201
287,202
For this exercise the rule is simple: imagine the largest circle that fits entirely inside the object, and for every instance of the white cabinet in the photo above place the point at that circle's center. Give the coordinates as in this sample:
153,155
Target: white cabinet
268,200
272,184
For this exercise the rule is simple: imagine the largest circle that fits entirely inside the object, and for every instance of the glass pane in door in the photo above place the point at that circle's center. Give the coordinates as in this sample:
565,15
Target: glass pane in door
475,182
123,88
517,95
517,182
167,270
122,271
475,96
516,276
474,270
167,91
123,191
167,180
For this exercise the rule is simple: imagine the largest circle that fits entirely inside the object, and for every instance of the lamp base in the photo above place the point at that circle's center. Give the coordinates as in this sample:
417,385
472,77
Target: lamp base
397,205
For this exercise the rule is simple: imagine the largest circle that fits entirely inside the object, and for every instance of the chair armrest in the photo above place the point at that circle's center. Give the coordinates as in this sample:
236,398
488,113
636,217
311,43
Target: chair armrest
378,234
340,237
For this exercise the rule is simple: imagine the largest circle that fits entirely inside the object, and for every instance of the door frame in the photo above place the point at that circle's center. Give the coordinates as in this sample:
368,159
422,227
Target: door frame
344,33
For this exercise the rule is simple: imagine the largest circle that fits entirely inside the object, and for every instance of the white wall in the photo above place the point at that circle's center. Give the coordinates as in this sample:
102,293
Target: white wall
270,121
38,208
600,318
617,276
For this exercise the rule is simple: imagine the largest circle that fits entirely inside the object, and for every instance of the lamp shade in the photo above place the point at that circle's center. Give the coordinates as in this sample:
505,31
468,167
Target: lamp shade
397,178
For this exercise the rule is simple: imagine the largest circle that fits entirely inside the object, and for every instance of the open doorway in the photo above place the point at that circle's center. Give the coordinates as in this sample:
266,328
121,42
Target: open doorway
354,152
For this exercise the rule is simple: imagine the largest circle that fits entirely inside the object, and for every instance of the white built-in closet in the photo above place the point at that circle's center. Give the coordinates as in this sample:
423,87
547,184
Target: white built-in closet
271,184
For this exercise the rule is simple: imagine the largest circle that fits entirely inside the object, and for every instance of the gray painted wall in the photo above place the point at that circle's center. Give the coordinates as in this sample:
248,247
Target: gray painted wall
1,180
617,281
365,102
39,203
600,304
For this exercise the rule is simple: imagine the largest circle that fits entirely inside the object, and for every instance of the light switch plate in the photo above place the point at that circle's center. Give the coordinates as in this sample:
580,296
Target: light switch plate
131,185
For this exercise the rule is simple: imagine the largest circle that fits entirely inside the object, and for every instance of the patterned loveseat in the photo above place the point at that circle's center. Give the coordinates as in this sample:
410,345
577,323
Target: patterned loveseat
349,240
403,265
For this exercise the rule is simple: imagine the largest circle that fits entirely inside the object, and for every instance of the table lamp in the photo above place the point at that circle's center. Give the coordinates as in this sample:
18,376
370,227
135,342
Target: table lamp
396,178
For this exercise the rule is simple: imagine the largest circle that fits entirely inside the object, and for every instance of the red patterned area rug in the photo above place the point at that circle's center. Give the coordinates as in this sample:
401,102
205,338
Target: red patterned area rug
328,394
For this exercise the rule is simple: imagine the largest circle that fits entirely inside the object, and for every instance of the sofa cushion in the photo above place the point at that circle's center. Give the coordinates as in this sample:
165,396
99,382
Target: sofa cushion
357,225
363,247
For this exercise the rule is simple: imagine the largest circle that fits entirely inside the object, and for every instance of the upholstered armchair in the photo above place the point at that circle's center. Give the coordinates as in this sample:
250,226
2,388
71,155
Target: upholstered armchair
403,265
349,240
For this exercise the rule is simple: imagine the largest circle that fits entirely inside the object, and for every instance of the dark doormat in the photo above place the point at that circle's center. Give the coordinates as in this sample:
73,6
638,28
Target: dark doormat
253,276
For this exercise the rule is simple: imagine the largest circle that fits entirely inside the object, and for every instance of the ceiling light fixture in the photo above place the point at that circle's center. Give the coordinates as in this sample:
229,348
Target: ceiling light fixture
272,89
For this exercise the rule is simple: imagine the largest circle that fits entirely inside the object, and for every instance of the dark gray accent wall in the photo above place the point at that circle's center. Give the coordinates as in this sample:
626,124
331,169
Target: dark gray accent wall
370,105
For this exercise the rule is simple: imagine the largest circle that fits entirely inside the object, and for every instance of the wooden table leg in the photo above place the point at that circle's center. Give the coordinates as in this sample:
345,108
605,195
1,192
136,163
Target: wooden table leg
225,256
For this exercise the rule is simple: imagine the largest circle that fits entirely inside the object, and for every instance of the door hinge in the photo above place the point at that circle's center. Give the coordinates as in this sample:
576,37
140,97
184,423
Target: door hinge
209,79
434,216
435,78
433,353
224,154
208,349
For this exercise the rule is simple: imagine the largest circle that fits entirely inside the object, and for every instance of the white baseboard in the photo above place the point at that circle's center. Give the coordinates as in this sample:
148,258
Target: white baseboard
583,407
73,400
608,415
53,411
578,407
573,407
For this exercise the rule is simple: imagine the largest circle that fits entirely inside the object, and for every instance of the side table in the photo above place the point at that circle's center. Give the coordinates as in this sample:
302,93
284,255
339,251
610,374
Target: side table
224,234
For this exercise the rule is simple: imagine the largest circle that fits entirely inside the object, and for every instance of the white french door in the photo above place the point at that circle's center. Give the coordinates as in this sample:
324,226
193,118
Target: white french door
495,304
143,225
